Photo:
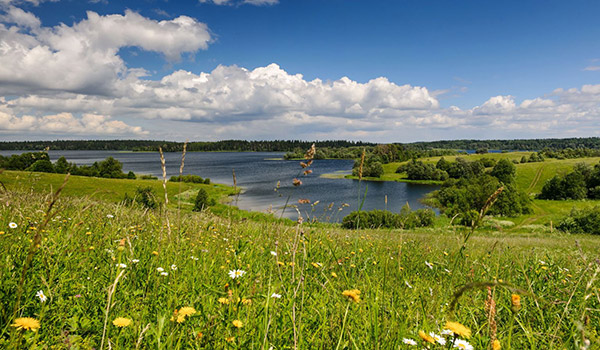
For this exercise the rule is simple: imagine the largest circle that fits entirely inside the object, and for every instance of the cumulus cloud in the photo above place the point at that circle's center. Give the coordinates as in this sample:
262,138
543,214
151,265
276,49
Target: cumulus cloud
66,123
84,57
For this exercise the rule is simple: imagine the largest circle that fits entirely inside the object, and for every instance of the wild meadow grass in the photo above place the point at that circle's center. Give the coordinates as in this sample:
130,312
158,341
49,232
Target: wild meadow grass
223,283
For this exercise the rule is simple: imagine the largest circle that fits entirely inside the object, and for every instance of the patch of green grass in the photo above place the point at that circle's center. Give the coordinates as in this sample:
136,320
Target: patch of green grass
406,279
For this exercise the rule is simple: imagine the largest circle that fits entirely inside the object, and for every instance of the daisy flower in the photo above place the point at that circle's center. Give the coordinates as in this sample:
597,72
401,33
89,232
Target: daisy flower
40,294
275,295
409,341
135,261
12,225
174,267
438,338
236,273
121,265
164,273
463,344
160,269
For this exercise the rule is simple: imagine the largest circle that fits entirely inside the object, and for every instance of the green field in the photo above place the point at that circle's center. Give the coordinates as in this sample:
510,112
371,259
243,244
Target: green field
290,294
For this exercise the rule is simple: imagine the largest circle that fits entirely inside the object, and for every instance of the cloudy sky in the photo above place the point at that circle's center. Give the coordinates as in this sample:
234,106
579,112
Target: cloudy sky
383,71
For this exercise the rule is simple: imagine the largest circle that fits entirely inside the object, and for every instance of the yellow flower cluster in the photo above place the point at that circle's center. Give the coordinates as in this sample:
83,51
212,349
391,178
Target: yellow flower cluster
352,294
180,315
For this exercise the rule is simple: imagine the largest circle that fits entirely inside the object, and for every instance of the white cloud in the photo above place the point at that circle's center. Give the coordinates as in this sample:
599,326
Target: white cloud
239,2
592,68
20,17
84,57
66,123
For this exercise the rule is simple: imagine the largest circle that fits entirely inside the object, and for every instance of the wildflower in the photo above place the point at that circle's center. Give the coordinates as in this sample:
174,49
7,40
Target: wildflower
77,295
223,300
496,345
438,338
352,294
179,315
12,225
458,329
238,324
88,233
236,273
273,253
334,275
164,273
121,265
409,341
135,261
426,337
430,265
160,269
109,216
462,344
446,332
1,233
516,302
296,182
193,258
27,323
40,294
230,339
275,295
155,253
121,322
316,265
174,267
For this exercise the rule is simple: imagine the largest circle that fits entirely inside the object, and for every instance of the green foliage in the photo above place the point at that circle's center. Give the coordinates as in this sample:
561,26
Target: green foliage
461,197
504,171
190,179
417,170
202,201
62,166
22,161
583,182
582,221
42,165
372,167
144,196
406,219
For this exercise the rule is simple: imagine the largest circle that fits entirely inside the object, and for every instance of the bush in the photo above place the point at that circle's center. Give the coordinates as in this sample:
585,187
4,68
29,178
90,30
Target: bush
202,201
42,165
406,219
144,196
189,179
582,221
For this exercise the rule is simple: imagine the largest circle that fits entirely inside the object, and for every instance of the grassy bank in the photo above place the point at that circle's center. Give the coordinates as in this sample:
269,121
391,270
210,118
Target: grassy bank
290,291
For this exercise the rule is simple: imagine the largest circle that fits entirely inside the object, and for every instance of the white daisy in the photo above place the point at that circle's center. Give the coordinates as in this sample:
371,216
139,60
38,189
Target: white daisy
12,225
430,265
409,341
193,258
273,253
109,216
174,267
236,273
135,261
121,265
164,273
40,294
446,332
275,295
438,338
160,269
463,344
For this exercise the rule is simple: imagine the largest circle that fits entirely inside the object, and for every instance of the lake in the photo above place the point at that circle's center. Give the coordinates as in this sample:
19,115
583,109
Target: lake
258,173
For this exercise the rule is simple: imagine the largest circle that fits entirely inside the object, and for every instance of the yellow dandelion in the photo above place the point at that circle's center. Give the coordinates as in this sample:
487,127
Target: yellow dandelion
246,301
458,329
223,301
334,275
280,263
237,324
27,323
121,322
352,294
426,337
496,345
230,339
187,311
155,253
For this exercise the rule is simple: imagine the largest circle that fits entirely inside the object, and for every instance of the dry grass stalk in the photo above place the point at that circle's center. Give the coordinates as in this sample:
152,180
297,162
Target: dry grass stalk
111,291
360,167
490,309
164,174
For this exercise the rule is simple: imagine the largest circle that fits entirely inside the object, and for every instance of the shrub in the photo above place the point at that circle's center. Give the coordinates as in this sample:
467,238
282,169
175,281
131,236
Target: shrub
582,221
144,196
202,202
42,165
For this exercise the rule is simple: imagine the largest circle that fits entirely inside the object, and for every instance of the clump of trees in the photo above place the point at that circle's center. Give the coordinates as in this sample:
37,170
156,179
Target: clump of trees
582,221
40,162
464,197
417,170
372,167
190,179
583,182
406,219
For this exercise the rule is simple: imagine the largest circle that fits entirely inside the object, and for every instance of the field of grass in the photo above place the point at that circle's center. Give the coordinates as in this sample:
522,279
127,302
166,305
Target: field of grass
112,277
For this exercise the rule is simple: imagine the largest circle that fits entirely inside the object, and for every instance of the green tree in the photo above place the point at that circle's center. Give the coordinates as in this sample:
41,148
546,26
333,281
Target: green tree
504,171
201,201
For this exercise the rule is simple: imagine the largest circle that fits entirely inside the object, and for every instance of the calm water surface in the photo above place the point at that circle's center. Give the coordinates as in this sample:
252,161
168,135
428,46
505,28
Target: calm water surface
258,174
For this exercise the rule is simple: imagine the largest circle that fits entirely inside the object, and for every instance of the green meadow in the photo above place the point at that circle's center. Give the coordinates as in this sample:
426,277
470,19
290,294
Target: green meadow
81,270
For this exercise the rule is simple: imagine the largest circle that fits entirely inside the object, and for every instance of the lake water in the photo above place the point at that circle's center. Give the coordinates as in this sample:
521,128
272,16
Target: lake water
258,174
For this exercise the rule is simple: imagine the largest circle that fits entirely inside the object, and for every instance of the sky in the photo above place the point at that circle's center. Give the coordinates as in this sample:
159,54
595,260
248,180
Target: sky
378,71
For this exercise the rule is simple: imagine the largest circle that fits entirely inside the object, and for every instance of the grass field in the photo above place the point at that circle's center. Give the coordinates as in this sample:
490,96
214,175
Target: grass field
114,278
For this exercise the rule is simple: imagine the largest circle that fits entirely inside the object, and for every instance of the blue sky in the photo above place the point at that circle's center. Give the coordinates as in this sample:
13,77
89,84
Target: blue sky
450,69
